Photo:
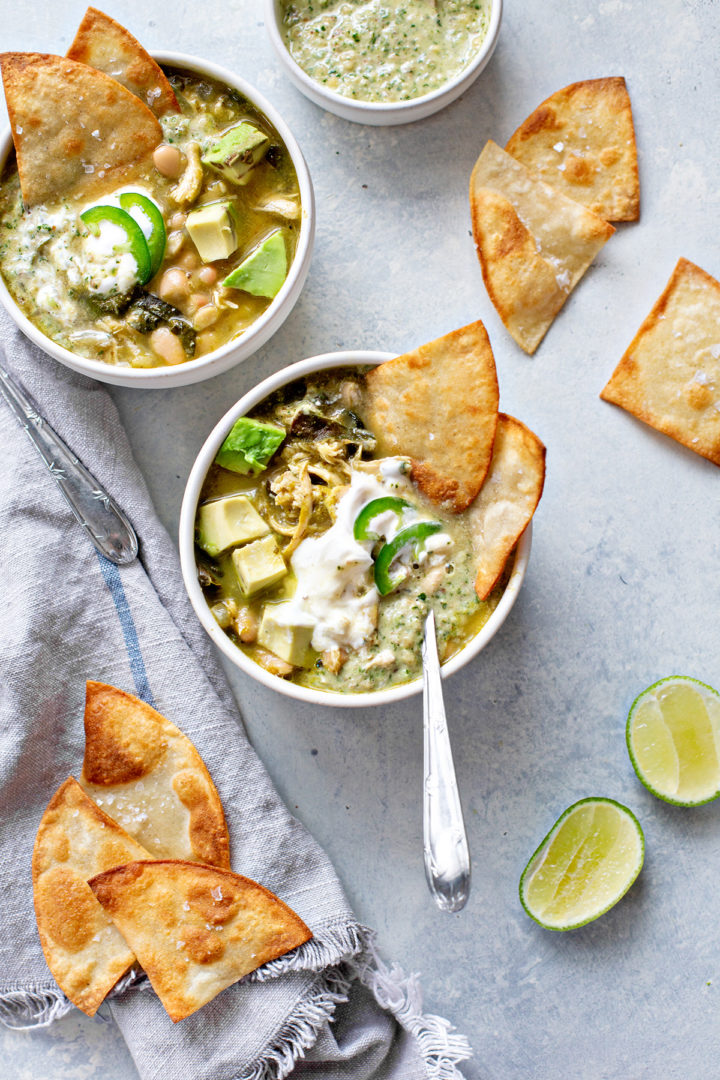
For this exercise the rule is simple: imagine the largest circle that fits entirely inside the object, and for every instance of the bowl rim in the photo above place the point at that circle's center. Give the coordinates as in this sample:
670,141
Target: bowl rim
226,355
186,539
386,109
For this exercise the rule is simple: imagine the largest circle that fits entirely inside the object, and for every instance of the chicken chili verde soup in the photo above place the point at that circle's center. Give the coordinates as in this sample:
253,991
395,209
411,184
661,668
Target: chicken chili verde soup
173,264
319,558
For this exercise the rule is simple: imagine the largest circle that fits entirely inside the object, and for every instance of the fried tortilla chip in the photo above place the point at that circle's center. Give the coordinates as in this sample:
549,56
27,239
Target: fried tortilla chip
669,377
76,130
104,44
438,405
507,500
151,779
84,950
581,140
534,244
196,929
521,284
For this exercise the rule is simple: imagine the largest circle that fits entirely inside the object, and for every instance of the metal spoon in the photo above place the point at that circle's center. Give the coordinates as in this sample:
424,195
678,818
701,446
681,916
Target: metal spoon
445,846
106,525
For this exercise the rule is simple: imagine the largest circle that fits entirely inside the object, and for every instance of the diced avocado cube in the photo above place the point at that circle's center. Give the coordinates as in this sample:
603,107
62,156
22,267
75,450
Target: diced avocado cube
224,522
213,230
249,446
287,640
236,152
263,272
258,565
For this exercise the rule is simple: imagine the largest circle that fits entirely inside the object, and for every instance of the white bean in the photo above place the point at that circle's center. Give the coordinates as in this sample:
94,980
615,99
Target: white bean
174,286
167,346
190,260
197,301
206,316
174,244
168,161
208,275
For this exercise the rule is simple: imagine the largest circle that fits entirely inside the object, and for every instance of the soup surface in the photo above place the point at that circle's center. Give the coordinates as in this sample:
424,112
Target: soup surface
328,576
384,50
82,290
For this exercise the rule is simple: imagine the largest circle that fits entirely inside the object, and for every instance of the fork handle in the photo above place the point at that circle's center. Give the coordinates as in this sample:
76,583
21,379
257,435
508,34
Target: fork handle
103,520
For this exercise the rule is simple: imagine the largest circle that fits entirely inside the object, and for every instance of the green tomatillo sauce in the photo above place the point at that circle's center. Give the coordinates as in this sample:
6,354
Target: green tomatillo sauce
384,50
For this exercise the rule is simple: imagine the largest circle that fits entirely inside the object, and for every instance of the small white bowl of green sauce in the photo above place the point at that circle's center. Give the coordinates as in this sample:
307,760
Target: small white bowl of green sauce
381,63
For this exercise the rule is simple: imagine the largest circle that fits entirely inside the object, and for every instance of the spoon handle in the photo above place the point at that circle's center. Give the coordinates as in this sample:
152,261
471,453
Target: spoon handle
445,846
106,525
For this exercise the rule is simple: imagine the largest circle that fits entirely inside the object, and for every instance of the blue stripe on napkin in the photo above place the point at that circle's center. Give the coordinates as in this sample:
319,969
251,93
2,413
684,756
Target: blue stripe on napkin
137,665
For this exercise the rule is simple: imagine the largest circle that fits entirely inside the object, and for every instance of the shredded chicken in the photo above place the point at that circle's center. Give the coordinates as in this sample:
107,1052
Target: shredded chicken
306,507
272,663
188,187
281,205
303,490
246,625
224,611
334,659
384,659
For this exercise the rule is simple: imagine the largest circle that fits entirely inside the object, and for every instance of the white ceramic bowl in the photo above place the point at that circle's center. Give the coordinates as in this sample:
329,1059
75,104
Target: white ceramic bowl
189,570
240,348
374,112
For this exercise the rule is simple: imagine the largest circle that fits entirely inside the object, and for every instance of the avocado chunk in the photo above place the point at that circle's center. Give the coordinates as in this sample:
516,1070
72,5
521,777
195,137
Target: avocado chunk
237,152
223,523
213,230
289,641
263,272
258,565
249,446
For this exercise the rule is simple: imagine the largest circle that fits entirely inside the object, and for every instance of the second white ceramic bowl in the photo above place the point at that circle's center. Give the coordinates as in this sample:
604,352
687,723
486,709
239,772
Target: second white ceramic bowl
239,348
189,569
374,112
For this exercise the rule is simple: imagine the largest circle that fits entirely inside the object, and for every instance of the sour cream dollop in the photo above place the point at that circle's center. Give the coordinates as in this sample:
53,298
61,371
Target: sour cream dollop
336,593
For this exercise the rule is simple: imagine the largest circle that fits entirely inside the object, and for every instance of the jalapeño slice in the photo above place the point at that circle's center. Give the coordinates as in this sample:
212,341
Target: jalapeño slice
361,528
135,242
413,534
147,215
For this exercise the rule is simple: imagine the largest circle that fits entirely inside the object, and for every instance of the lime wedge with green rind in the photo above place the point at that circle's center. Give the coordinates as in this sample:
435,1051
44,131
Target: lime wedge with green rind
585,864
673,738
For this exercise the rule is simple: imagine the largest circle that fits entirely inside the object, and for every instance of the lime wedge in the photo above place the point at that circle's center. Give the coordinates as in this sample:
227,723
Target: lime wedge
673,738
585,864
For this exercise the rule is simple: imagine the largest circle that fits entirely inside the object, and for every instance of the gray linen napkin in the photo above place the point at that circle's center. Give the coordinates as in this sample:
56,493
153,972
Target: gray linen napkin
69,615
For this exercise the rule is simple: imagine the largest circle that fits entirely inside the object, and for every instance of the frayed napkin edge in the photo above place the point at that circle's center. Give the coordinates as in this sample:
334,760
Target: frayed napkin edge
25,1009
440,1046
346,954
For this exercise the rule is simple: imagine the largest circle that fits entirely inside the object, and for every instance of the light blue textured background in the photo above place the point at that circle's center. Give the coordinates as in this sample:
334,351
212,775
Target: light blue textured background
623,580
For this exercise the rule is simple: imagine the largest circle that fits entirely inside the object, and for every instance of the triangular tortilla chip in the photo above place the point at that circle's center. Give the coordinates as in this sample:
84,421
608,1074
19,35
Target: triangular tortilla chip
196,929
438,406
581,140
529,282
104,44
76,130
76,840
669,377
507,500
150,778
522,285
